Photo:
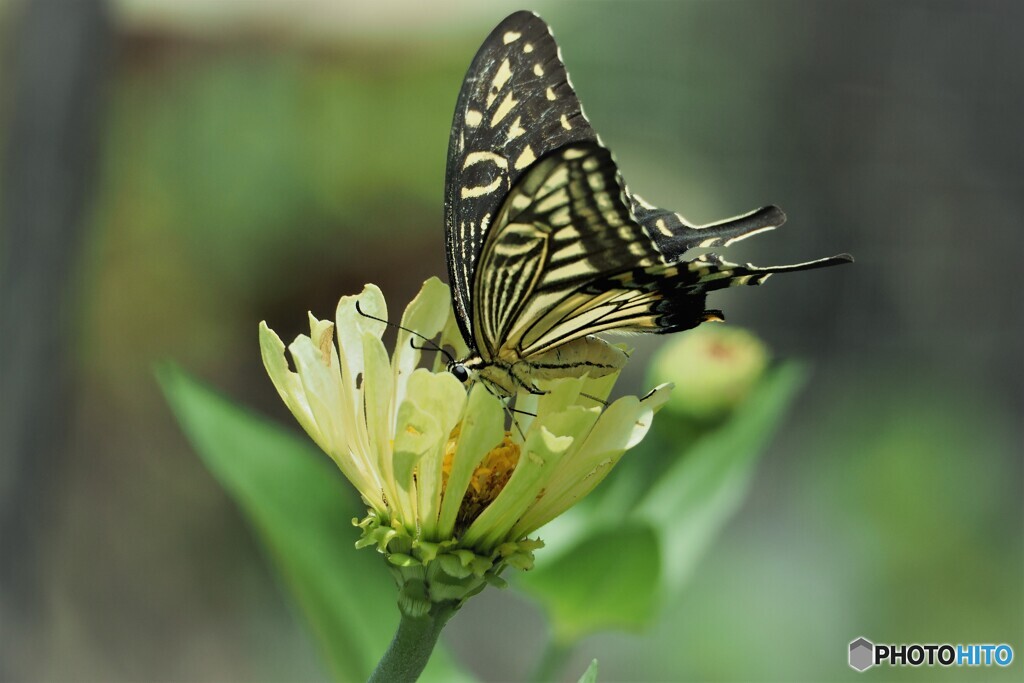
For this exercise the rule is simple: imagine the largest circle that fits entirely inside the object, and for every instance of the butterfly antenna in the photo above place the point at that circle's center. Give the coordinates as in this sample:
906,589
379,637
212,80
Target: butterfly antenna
434,346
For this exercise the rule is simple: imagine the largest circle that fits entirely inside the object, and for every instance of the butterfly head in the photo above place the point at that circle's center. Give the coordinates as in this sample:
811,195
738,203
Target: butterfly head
460,371
470,368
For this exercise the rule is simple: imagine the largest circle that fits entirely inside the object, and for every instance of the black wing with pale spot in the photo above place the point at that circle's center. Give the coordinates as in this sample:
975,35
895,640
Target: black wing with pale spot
545,243
674,235
516,106
567,258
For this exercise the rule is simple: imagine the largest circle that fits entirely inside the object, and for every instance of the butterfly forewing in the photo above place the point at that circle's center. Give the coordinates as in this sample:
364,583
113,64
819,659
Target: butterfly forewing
516,105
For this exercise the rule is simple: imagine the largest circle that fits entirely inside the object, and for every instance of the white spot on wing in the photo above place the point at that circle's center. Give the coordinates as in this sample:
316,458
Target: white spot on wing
553,201
516,129
659,224
558,54
749,234
538,70
470,192
646,204
503,109
528,48
558,178
560,217
521,201
526,158
473,118
604,203
478,157
565,123
501,78
511,37
550,94
571,249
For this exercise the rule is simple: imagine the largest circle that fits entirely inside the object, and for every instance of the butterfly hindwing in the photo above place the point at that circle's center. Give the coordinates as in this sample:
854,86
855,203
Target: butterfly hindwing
564,223
566,258
674,235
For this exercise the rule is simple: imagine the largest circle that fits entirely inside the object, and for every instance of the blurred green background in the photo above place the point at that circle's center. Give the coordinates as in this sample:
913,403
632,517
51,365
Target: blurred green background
174,172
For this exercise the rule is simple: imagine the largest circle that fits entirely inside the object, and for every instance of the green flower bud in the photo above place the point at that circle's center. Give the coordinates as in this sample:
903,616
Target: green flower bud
713,368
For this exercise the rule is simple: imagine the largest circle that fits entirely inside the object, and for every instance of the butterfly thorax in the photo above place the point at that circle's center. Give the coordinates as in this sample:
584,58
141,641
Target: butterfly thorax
509,372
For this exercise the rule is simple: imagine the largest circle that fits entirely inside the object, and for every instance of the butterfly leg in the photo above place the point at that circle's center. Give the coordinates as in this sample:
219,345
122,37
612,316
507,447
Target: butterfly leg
594,398
533,389
498,391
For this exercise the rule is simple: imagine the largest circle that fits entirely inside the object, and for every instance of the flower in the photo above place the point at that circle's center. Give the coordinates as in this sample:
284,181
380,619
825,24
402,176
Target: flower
714,366
452,495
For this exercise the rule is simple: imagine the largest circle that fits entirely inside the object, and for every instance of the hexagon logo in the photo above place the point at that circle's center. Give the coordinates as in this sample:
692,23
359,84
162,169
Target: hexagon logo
862,654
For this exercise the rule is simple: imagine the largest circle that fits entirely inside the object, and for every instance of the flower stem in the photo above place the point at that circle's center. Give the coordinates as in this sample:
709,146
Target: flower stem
411,647
552,661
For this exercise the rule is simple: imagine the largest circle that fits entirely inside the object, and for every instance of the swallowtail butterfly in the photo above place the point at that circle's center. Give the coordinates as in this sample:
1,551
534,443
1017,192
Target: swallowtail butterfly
545,244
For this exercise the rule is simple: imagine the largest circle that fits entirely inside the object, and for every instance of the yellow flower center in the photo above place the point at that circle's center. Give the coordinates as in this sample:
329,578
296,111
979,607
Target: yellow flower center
488,479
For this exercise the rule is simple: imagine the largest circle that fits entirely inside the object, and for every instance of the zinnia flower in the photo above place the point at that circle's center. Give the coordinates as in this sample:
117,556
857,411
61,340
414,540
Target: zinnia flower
453,479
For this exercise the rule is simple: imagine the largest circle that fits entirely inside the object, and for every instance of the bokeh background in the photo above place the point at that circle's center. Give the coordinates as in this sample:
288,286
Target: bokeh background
175,171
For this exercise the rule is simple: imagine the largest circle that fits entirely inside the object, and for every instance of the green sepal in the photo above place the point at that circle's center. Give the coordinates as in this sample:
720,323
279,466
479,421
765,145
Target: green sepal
440,573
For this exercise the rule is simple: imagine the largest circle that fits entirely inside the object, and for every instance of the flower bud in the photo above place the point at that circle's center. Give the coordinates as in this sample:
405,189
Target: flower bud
713,368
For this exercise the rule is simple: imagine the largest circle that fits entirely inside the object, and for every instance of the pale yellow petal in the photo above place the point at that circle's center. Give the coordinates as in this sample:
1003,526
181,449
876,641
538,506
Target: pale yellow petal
322,385
443,397
350,326
287,383
541,451
425,315
483,428
378,406
620,427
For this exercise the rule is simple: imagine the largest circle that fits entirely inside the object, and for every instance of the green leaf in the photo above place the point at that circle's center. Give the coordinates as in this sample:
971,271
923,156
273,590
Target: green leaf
590,675
301,509
609,579
691,502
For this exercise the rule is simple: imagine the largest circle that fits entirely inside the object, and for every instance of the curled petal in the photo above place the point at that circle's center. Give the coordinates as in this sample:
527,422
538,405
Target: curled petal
541,451
287,383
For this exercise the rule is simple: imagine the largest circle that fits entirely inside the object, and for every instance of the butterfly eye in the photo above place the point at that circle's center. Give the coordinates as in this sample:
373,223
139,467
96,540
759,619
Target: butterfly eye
460,372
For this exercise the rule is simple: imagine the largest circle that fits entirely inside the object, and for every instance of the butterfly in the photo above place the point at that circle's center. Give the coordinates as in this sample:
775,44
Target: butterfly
546,245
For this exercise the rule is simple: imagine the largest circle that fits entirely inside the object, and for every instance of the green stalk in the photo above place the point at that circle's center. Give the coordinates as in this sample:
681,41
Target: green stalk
552,661
411,647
